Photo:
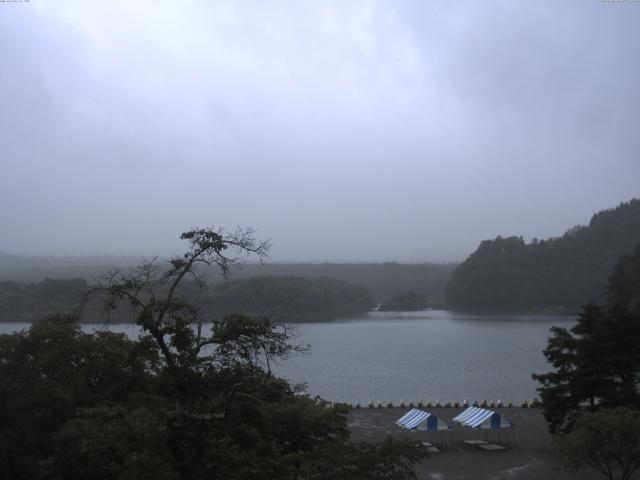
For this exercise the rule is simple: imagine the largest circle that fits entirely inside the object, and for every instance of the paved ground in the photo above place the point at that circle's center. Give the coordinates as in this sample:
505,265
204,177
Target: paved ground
528,455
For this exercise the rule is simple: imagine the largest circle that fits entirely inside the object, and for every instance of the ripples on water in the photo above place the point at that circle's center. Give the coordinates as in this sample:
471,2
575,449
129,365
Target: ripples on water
427,355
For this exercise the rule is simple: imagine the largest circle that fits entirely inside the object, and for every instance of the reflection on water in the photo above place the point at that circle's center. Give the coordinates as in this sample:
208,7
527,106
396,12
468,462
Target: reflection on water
427,355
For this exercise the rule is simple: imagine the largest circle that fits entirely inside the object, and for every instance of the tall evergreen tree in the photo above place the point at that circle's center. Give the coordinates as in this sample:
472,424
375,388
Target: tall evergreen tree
597,361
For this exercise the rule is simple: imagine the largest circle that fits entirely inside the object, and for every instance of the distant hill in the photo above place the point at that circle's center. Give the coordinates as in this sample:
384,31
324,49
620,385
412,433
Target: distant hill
25,268
554,275
404,302
383,280
23,302
288,298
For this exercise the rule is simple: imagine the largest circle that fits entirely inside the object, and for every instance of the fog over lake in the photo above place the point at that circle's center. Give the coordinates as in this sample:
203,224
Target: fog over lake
191,190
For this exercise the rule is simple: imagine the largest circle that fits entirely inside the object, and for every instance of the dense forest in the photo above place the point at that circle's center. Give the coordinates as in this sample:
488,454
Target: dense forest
288,298
554,275
179,402
590,398
292,298
404,302
383,280
23,302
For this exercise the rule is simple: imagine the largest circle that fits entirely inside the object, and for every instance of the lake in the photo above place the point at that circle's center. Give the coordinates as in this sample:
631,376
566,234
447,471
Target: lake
434,355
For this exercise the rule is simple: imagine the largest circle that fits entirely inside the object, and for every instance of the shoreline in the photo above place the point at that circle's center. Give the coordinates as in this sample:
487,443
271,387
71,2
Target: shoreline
318,318
531,459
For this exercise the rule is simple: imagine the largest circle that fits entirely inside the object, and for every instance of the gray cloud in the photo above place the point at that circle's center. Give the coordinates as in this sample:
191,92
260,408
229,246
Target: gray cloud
342,130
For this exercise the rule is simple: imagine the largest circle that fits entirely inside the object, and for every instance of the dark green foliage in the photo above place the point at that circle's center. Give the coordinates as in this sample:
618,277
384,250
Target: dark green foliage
556,275
48,373
382,280
596,362
607,441
290,298
225,418
179,403
596,365
404,302
624,283
390,460
24,302
114,442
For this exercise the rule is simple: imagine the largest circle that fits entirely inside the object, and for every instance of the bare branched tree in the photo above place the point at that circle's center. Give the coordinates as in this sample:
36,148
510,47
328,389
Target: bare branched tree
150,288
239,348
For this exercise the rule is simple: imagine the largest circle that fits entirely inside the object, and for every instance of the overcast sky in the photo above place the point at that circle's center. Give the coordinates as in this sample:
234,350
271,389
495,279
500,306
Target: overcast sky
343,131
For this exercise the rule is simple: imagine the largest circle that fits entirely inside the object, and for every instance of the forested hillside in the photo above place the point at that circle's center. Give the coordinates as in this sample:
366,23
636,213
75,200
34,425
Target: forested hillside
288,298
404,302
25,268
292,298
22,302
383,280
558,274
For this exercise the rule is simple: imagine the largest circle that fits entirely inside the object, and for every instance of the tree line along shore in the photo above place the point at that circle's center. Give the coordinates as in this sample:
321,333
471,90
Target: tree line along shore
183,401
554,276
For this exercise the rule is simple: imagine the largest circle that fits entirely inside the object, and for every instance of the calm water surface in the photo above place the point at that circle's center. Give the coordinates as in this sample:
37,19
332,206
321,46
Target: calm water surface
427,355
